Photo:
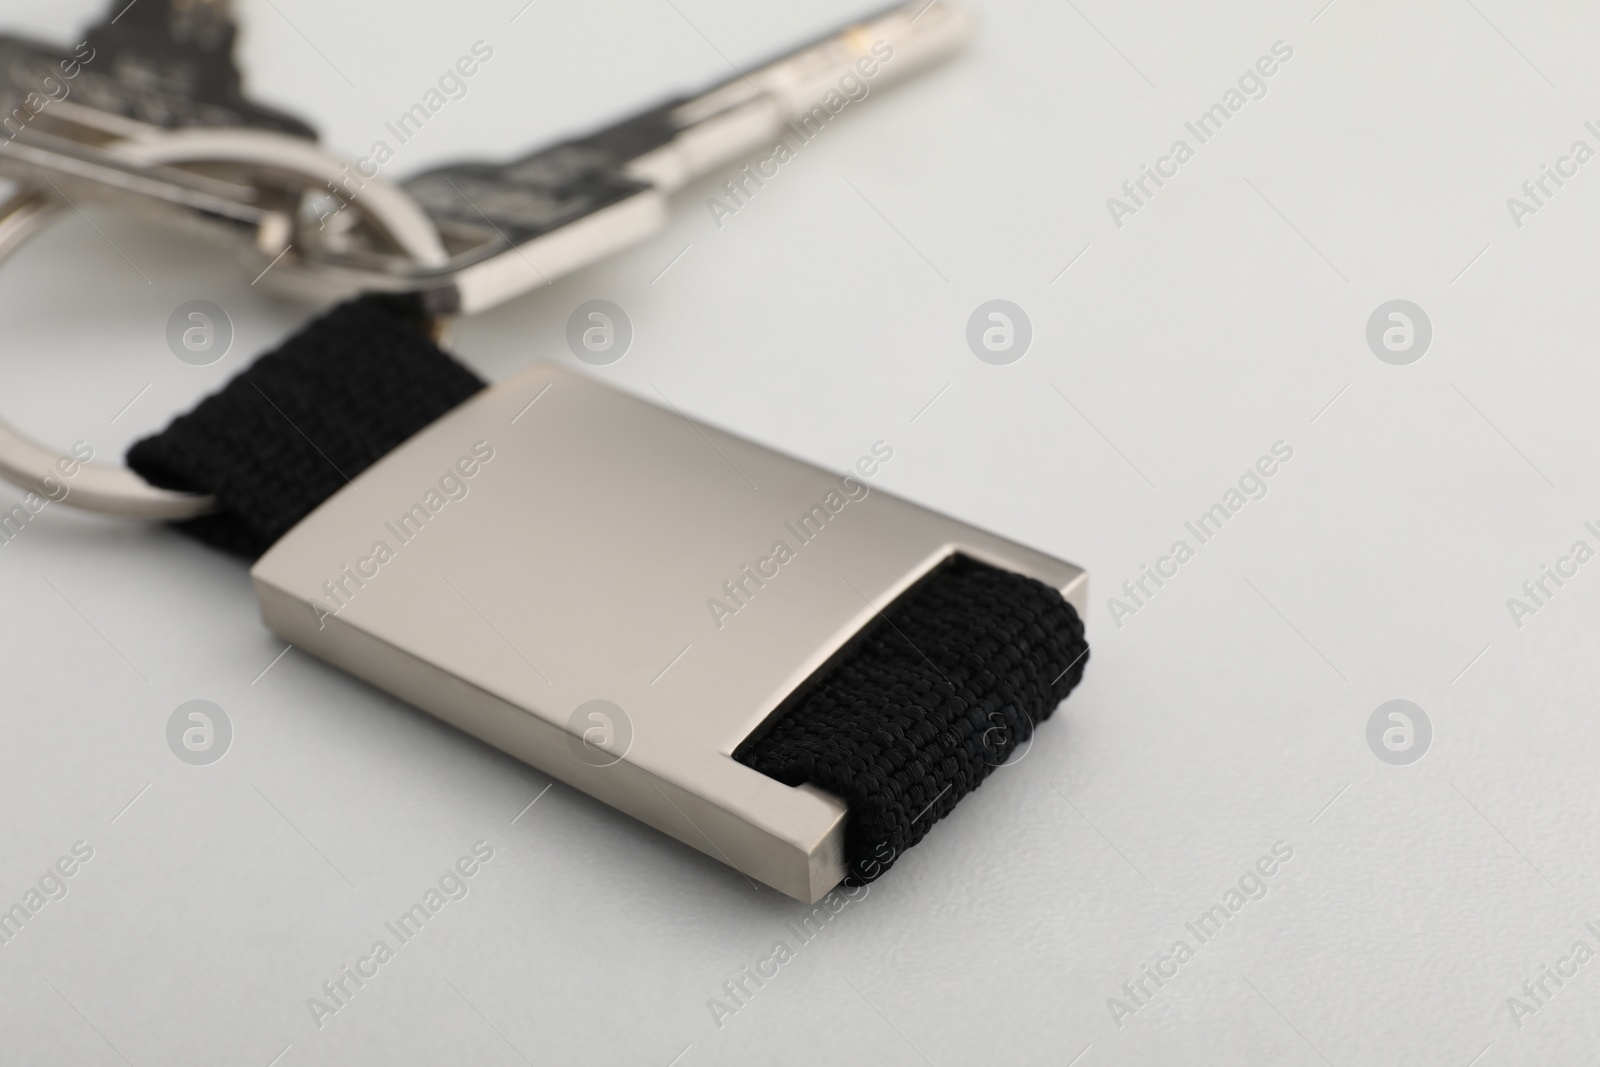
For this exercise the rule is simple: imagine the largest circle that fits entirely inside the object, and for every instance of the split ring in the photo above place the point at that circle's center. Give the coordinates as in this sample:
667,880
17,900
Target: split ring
116,490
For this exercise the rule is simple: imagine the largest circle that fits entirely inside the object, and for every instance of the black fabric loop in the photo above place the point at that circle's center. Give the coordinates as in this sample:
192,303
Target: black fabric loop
945,688
294,427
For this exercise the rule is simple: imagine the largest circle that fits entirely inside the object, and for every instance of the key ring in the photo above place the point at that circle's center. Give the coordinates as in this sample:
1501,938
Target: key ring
394,210
116,490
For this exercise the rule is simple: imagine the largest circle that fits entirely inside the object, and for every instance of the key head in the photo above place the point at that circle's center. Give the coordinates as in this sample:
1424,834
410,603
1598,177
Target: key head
33,76
168,63
516,203
539,193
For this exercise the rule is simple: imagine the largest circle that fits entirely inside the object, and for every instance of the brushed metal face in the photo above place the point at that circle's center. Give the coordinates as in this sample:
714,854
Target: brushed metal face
541,568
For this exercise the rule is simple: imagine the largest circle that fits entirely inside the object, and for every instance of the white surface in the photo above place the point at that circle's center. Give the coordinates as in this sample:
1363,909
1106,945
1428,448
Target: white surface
1210,726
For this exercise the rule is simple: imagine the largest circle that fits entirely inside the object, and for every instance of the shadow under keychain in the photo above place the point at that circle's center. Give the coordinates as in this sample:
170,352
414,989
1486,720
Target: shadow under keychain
779,666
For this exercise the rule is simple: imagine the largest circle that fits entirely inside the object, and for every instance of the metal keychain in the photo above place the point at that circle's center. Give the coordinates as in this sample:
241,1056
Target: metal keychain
463,238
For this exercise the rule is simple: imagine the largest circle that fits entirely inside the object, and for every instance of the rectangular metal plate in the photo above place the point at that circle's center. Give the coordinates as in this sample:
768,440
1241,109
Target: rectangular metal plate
581,562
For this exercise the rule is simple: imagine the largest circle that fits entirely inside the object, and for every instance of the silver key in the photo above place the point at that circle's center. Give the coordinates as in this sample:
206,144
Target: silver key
506,227
512,227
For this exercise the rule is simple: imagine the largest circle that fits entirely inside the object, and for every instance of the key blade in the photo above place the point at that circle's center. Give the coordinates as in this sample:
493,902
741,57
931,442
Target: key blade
493,213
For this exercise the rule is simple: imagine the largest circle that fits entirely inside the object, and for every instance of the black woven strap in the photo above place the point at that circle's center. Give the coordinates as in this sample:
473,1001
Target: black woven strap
295,426
926,704
908,719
